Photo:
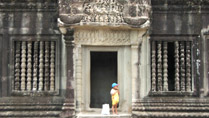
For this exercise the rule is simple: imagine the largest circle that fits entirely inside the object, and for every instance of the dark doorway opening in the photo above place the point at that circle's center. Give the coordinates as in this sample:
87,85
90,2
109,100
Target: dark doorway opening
103,74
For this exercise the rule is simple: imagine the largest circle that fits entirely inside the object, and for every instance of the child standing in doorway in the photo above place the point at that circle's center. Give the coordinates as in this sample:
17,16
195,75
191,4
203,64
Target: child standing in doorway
115,97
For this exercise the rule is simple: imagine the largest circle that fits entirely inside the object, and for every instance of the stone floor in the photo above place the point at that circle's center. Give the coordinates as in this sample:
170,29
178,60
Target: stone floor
103,116
99,115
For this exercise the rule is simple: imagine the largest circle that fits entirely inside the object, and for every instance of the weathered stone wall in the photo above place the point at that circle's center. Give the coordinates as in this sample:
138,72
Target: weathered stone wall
28,20
179,17
182,20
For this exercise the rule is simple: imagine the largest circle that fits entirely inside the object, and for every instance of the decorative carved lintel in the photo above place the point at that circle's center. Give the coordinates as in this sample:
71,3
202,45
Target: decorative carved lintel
102,37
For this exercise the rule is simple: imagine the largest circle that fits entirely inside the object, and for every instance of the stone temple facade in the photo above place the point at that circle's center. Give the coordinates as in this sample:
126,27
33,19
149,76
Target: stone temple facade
60,57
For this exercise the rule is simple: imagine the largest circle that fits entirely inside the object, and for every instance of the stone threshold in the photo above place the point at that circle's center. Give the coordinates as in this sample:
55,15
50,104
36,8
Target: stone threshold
94,115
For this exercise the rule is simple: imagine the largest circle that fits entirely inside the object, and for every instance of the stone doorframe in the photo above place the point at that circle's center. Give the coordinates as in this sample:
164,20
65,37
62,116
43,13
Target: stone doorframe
124,41
124,75
127,42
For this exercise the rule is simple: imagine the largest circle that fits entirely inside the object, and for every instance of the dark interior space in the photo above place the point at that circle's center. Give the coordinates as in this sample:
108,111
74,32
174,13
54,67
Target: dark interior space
171,67
103,74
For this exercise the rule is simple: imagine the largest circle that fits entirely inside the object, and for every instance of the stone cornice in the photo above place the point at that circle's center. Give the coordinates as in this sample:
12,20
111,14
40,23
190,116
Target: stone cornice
180,6
180,2
24,5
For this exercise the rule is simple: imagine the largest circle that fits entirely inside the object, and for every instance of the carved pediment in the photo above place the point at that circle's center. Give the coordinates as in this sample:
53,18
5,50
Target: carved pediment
105,12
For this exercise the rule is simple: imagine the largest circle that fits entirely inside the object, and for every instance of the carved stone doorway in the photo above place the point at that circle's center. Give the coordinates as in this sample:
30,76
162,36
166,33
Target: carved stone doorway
103,74
124,43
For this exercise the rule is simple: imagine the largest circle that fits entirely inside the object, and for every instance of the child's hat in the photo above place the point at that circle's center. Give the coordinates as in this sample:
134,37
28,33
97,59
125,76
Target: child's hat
114,84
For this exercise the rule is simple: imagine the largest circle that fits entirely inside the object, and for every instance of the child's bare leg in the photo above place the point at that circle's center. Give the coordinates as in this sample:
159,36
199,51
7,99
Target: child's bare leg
116,111
113,109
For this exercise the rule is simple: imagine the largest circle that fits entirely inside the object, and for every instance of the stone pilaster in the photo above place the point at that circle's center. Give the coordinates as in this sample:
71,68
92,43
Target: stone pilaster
68,106
135,81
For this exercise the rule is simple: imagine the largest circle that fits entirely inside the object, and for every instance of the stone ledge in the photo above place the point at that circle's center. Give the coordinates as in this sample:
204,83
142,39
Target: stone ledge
30,6
180,2
31,100
170,115
172,109
29,113
31,108
103,116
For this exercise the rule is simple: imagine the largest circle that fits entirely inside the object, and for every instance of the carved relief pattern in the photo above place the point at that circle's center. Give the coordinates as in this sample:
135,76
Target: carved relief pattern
177,85
103,11
142,7
52,66
159,65
144,10
182,65
46,66
79,73
35,66
165,67
23,66
153,66
29,65
103,38
17,66
188,66
41,65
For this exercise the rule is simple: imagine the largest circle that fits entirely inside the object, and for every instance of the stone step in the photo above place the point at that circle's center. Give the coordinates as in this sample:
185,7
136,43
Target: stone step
47,114
145,114
38,107
30,108
176,108
103,116
172,104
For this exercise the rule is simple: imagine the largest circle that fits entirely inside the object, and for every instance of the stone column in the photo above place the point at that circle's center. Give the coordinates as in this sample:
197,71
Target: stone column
136,41
68,106
134,68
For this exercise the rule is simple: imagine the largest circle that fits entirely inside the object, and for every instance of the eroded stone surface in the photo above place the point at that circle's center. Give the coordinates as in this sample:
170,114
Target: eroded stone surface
105,12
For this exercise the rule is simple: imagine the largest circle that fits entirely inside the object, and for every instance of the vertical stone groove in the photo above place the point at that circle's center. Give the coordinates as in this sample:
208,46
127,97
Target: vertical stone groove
17,67
52,66
188,66
23,66
29,65
153,66
35,66
41,65
159,65
182,65
46,66
165,66
79,73
177,85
